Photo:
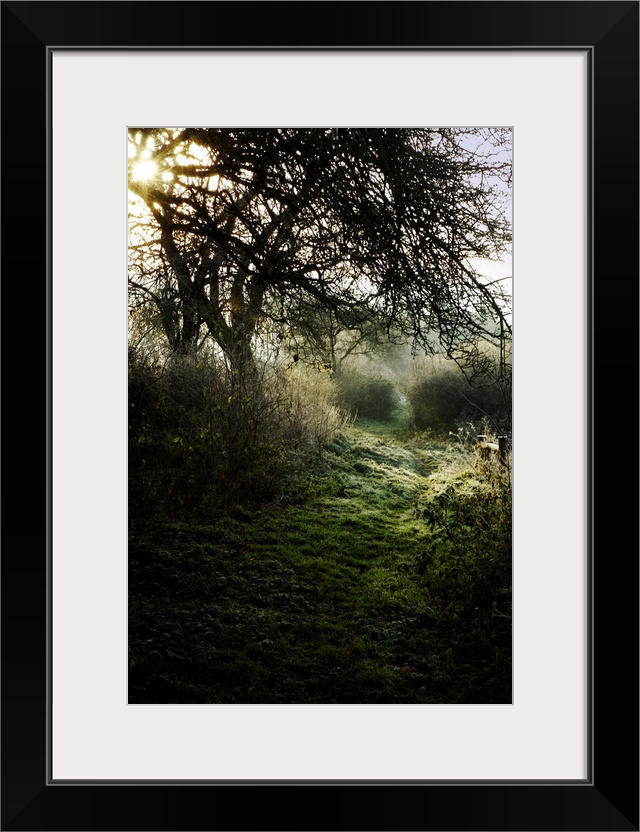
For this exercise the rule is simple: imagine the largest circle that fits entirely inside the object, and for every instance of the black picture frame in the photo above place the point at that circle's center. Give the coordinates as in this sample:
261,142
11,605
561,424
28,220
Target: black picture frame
608,798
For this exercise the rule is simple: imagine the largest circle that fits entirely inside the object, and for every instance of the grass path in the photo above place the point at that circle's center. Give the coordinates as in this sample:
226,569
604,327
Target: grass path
322,597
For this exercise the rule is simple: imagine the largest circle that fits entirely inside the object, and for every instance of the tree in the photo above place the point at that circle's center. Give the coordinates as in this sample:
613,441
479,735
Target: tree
324,338
236,234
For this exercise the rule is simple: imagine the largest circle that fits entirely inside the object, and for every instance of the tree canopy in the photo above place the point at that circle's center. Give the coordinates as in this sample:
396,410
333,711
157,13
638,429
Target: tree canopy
237,235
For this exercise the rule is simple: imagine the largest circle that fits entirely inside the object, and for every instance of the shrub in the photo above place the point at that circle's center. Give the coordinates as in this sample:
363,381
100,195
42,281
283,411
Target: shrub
443,398
201,435
373,397
313,417
468,570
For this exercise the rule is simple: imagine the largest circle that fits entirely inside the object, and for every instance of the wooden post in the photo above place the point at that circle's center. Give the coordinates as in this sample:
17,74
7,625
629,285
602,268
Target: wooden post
485,449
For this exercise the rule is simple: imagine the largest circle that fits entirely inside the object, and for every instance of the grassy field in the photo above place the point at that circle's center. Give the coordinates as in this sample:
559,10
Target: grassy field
382,574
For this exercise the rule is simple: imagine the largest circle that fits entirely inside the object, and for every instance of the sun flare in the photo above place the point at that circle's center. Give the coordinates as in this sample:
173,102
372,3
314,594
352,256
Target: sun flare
143,171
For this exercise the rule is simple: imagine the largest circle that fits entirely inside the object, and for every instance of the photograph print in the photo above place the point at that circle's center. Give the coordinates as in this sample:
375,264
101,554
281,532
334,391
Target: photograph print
320,415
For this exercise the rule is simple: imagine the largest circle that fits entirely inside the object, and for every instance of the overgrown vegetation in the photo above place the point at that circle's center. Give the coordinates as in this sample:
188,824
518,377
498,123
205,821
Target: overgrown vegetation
310,521
468,562
201,435
360,583
368,396
444,398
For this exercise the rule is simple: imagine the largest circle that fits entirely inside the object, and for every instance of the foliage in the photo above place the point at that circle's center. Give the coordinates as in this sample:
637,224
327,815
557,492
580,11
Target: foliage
443,398
276,554
467,561
199,434
327,594
367,396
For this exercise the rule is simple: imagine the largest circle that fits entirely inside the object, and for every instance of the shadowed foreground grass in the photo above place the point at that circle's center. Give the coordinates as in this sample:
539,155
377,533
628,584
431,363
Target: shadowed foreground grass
382,575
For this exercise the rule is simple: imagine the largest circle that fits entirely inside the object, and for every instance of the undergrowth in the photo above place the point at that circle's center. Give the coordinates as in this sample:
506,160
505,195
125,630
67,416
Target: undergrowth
378,574
467,564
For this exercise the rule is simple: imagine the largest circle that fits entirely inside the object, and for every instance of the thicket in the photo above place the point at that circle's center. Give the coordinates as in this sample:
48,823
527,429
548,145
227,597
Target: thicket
468,565
366,395
444,398
202,435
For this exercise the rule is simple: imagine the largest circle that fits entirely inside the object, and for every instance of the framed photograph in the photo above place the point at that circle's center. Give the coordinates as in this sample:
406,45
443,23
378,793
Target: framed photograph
135,125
